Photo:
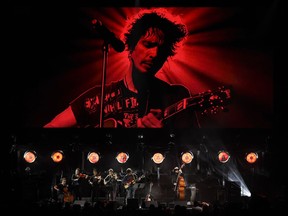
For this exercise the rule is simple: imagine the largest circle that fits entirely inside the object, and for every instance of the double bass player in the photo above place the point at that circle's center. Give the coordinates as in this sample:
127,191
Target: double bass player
179,183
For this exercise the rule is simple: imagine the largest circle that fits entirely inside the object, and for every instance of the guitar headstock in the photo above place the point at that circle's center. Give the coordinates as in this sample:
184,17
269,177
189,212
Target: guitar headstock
216,100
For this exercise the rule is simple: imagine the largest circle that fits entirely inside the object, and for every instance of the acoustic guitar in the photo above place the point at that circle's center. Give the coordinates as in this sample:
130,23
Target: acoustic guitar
207,102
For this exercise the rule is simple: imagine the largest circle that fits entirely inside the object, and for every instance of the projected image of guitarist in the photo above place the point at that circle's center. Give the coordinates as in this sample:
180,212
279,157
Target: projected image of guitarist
141,99
129,181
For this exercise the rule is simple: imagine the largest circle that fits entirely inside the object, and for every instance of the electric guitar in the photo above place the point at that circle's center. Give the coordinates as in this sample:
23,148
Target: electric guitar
207,102
130,183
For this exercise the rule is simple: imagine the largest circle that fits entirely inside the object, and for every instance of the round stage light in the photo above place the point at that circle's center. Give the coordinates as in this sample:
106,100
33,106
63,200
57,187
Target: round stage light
122,157
251,157
93,157
187,157
57,156
158,158
30,156
223,156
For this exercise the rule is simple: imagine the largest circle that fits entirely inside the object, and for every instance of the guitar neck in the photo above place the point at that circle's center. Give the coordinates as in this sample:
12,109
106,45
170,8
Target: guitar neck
180,106
209,100
178,176
133,182
177,108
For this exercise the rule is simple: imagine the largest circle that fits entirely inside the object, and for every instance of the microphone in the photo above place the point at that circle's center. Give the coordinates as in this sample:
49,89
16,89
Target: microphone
107,35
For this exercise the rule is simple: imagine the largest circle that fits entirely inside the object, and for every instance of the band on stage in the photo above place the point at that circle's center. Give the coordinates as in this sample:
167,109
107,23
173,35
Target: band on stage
109,184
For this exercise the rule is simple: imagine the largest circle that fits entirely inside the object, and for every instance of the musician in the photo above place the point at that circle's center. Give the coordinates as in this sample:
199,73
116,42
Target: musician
174,174
179,184
111,183
152,37
128,181
95,181
62,189
76,181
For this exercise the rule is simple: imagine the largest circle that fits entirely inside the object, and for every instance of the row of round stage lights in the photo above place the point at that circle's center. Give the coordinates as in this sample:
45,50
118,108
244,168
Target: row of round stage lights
30,156
250,157
122,157
93,157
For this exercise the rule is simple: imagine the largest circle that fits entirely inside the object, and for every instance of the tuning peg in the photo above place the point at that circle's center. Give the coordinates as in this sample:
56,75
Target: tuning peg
214,110
204,112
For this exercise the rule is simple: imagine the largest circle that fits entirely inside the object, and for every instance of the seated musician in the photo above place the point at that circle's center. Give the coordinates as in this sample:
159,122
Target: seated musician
63,193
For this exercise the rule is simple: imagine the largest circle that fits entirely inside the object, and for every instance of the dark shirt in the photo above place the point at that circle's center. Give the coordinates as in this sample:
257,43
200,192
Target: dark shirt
123,107
76,180
95,180
62,189
111,181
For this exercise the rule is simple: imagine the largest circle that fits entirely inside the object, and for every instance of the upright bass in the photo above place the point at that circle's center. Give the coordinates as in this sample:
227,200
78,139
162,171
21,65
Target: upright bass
180,185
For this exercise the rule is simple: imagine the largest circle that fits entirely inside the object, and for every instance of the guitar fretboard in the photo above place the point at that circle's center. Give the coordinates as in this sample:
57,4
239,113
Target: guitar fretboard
180,106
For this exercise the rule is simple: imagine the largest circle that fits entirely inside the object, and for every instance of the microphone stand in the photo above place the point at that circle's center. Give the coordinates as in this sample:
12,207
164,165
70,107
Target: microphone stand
105,50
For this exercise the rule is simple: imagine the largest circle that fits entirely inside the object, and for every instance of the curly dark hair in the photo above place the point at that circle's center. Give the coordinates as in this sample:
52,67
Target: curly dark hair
174,30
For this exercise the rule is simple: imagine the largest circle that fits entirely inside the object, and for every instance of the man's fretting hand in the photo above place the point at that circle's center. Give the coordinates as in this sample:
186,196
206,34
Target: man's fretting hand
151,120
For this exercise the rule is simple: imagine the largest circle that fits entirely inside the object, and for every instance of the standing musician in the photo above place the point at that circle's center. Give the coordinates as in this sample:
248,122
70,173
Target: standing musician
63,193
95,182
111,183
76,180
179,183
128,181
